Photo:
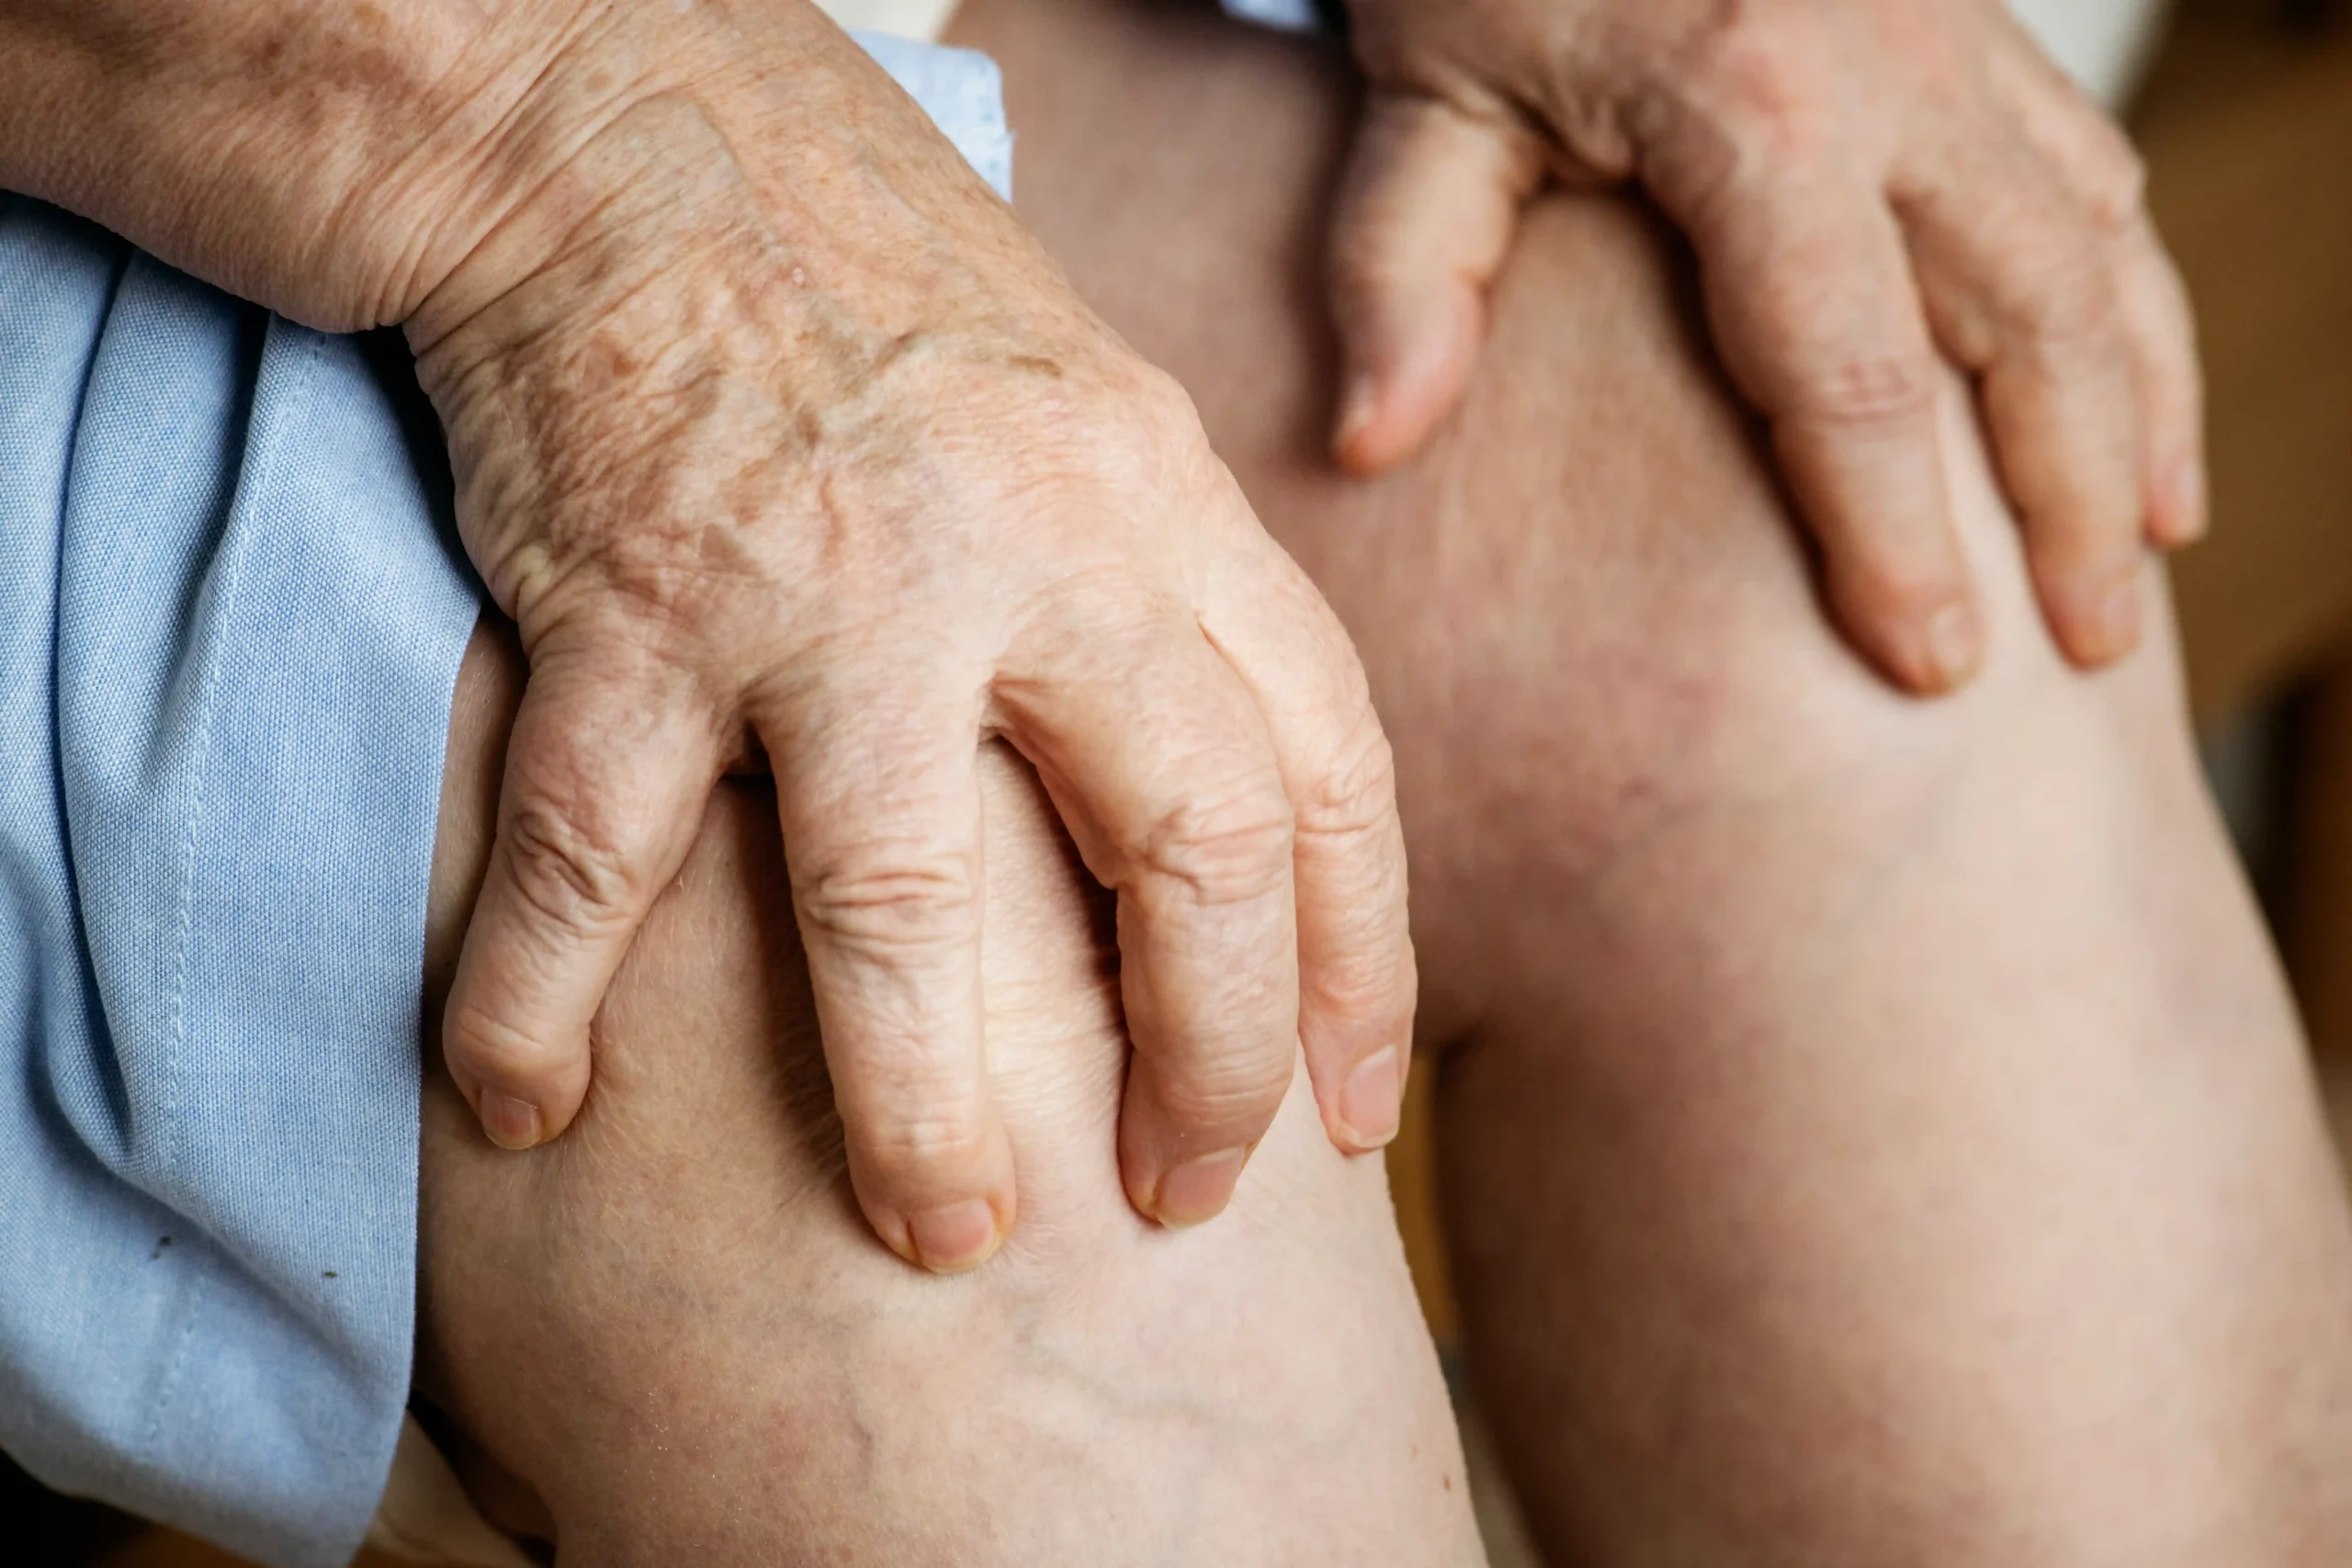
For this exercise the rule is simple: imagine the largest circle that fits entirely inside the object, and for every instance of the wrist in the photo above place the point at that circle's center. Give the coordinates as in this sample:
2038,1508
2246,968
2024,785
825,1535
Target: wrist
663,141
740,246
338,164
573,131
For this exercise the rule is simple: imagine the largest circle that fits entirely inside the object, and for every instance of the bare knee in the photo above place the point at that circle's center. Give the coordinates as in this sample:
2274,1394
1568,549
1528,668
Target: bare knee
673,1323
1596,633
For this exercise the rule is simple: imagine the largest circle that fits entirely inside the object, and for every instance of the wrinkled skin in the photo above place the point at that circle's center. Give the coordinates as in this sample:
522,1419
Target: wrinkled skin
784,446
1868,182
654,1357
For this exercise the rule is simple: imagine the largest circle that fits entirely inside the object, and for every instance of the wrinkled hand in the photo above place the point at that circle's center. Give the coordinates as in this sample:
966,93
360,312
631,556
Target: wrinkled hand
1865,181
812,455
783,443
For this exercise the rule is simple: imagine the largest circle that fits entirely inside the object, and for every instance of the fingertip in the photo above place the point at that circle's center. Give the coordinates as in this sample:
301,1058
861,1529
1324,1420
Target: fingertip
955,1238
2104,625
1952,647
510,1121
1925,644
944,1204
1371,1103
1359,415
1386,414
1180,1170
1167,1181
1424,219
2180,511
1196,1192
522,1091
1903,594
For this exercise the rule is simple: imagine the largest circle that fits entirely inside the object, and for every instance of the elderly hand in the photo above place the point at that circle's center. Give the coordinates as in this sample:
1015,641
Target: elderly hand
781,440
1861,178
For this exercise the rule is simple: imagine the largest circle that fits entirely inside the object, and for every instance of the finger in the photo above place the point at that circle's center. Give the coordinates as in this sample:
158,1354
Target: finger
608,769
1159,764
880,795
1812,304
2161,330
2017,284
1424,218
2097,164
1356,976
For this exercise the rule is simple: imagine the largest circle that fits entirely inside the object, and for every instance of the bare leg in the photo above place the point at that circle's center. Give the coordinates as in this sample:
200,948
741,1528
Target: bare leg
675,1327
1874,1131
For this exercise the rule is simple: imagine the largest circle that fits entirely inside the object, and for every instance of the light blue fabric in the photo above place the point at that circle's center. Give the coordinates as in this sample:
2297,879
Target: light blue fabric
1289,16
230,615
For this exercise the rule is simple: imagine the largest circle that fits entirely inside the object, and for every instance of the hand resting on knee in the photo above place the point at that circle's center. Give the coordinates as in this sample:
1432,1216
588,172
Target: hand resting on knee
674,1325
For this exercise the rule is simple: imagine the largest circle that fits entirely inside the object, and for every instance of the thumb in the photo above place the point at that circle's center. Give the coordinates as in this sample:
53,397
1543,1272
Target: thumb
1424,219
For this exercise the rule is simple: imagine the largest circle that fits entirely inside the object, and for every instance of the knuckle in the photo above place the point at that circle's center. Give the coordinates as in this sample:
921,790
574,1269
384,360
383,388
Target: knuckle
1748,79
927,1141
1848,387
2114,176
1742,50
893,906
570,880
2064,303
1374,987
1355,795
1224,848
1161,410
1158,445
1714,165
1226,1098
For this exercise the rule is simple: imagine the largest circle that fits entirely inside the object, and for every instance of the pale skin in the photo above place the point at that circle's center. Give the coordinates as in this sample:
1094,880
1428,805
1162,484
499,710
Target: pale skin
680,1360
1870,184
1874,1132
784,444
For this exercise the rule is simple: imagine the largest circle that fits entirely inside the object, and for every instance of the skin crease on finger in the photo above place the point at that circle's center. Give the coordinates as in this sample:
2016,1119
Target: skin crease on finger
691,1360
1868,184
775,434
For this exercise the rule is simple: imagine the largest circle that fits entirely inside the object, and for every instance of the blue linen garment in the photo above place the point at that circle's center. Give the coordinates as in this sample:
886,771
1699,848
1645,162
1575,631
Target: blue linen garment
231,611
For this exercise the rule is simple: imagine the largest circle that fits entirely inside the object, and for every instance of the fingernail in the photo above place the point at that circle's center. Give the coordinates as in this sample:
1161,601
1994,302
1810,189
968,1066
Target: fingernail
955,1238
2119,617
1198,1190
1357,407
511,1123
1955,645
1368,1101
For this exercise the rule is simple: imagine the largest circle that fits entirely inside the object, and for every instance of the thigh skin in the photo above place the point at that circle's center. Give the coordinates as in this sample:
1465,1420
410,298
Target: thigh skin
1872,1131
674,1328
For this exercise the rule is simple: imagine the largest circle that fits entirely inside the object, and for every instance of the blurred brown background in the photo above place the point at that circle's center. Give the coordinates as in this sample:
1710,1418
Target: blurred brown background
2245,118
